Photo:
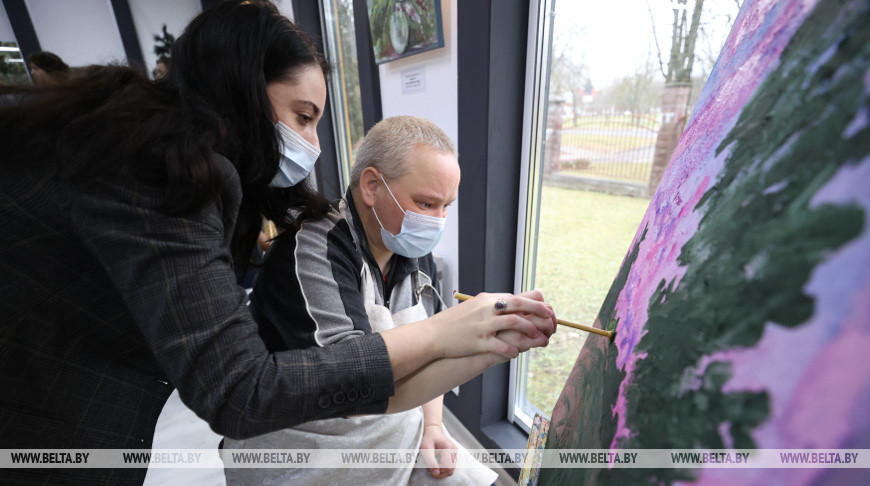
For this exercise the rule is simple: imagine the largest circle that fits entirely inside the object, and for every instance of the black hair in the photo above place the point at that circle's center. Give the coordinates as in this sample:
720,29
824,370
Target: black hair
212,101
271,49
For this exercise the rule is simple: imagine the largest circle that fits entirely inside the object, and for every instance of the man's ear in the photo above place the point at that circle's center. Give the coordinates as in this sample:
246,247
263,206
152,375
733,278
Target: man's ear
368,185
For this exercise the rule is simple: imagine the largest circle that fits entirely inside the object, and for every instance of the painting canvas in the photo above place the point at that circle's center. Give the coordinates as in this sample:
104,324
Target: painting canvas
401,28
742,307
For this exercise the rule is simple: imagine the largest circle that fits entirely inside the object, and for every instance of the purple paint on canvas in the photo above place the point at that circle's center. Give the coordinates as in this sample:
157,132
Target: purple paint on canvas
838,331
760,33
858,123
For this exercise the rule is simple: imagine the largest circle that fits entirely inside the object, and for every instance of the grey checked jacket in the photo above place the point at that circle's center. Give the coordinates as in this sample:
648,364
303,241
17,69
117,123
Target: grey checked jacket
107,303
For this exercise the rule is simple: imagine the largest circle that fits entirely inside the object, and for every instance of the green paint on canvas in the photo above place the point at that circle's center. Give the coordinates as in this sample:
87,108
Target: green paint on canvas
596,390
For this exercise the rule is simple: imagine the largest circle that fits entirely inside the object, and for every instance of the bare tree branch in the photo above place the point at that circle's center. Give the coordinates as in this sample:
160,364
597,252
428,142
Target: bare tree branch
656,37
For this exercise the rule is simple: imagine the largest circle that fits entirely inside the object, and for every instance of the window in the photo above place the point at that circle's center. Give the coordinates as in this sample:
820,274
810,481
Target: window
12,70
608,94
344,86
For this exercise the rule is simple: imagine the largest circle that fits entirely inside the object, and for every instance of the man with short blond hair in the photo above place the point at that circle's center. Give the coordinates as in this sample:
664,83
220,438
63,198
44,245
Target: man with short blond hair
364,268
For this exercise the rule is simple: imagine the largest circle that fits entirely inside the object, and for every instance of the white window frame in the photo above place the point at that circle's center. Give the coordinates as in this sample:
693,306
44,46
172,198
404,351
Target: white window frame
534,134
338,107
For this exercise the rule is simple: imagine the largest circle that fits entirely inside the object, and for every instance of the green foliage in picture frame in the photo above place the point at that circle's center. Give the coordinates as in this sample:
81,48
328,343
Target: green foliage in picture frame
401,28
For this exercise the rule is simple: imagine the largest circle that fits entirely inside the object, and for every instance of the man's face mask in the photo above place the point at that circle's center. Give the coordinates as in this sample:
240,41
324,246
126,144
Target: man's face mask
419,235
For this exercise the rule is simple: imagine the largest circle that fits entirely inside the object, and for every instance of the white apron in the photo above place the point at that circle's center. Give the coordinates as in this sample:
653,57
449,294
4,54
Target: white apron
395,431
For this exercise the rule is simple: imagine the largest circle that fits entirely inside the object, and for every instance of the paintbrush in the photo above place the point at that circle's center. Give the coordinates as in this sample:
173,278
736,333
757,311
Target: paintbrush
608,334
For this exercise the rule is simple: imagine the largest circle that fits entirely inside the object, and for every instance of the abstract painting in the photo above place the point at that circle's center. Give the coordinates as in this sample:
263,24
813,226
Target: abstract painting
742,308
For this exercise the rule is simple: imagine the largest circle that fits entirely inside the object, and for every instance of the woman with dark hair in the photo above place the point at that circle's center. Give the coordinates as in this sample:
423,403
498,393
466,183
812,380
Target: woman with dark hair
161,68
47,68
124,204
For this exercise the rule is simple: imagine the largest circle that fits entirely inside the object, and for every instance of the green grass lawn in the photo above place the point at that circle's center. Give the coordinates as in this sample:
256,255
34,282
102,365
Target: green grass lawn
582,239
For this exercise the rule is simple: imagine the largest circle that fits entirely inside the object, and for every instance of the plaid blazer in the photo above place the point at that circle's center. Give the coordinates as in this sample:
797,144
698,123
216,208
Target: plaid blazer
107,303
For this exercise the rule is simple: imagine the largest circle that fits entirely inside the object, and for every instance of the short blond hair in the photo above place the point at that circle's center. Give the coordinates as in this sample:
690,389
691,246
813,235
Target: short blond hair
388,143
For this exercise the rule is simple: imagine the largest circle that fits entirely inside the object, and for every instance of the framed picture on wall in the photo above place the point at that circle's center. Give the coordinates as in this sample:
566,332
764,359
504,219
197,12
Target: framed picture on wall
402,28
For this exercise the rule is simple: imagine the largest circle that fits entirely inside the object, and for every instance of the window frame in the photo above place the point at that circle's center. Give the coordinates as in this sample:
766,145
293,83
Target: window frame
541,14
335,88
22,30
491,65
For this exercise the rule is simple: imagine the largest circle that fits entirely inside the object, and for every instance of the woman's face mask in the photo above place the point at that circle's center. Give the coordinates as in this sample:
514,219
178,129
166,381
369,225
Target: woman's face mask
419,235
297,158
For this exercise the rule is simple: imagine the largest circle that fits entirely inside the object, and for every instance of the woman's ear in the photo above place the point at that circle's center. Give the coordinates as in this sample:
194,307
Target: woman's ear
368,185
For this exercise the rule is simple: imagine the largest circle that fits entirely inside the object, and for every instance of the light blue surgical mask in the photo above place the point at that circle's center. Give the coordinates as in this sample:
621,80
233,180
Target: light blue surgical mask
297,157
419,235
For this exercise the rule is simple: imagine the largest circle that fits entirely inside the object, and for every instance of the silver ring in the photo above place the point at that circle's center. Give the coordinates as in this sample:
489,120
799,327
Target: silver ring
500,306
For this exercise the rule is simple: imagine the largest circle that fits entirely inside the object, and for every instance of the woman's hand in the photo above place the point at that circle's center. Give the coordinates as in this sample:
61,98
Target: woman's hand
432,356
521,341
472,326
472,329
438,451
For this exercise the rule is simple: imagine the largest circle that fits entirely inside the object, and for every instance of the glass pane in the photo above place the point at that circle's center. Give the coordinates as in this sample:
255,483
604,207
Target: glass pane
344,84
12,70
616,92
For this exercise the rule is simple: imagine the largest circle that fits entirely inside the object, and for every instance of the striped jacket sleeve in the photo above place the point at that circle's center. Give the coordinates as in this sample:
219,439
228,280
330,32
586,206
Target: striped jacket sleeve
309,288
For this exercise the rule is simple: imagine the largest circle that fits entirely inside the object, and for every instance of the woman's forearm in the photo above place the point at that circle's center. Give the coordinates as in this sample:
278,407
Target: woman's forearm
438,378
411,347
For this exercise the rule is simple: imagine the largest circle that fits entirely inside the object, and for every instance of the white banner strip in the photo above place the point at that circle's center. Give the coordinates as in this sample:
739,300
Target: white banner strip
392,458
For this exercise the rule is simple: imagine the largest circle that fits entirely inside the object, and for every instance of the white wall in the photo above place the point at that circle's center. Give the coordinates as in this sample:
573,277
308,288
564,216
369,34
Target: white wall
149,17
81,32
438,103
285,7
6,33
85,32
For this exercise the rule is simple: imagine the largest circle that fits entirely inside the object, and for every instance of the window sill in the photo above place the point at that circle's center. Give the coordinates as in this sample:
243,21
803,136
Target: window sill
507,436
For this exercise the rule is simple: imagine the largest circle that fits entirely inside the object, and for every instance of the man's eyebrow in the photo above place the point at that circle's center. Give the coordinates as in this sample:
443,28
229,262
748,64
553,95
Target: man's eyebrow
313,106
428,195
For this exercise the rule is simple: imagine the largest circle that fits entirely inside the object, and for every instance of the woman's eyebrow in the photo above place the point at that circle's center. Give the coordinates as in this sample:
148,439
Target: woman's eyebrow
313,105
